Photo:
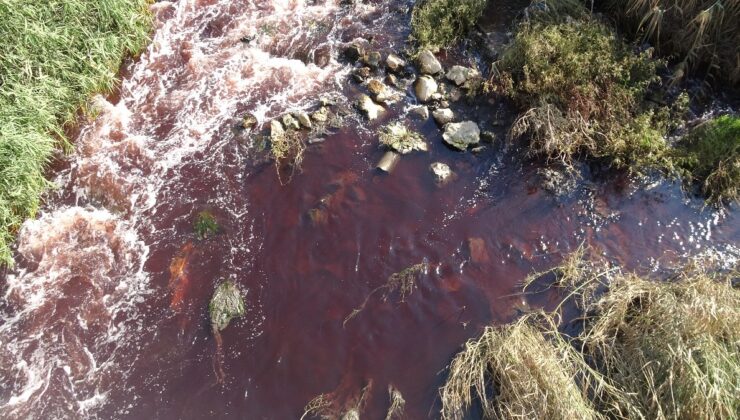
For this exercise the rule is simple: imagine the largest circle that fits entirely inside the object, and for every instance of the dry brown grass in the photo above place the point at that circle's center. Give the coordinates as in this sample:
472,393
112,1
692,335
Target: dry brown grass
519,371
701,34
648,350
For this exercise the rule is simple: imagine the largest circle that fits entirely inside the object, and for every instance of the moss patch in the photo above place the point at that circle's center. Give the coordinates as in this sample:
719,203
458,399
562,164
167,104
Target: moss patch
226,304
440,23
581,91
55,55
710,156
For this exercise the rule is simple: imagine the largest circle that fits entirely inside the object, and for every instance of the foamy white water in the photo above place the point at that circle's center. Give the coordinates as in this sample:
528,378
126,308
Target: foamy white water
74,301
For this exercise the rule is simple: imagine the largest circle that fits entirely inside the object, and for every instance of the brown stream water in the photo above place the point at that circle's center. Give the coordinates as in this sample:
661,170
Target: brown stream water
93,324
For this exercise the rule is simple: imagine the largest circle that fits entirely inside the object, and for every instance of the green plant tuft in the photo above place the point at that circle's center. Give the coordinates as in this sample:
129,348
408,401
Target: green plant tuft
205,225
581,92
55,54
440,23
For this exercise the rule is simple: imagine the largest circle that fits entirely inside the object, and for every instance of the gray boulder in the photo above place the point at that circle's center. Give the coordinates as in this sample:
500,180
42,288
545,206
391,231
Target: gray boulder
443,116
428,63
461,135
226,304
425,88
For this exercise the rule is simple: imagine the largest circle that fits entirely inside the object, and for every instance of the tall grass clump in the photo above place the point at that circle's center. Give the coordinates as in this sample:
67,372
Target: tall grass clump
580,90
647,349
700,34
440,23
710,156
55,54
519,371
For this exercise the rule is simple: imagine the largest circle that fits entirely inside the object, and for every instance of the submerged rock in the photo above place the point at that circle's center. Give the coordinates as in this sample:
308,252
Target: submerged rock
226,304
372,59
461,135
478,251
369,108
459,74
389,161
443,116
421,111
394,62
428,63
249,121
425,88
442,172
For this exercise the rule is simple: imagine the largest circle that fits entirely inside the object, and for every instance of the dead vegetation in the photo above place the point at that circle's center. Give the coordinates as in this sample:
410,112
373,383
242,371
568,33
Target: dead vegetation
403,283
648,350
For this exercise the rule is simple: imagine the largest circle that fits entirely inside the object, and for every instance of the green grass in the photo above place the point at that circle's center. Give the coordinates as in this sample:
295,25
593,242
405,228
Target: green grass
440,23
55,55
580,90
710,156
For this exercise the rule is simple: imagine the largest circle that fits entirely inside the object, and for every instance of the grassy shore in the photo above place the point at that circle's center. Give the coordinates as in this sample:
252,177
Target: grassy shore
55,55
647,350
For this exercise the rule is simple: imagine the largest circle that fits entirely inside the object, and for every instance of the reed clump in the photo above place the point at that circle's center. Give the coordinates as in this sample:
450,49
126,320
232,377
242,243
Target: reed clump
55,55
580,90
648,350
700,34
440,23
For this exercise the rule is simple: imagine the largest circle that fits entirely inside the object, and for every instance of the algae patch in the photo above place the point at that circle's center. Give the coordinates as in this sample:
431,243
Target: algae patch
227,303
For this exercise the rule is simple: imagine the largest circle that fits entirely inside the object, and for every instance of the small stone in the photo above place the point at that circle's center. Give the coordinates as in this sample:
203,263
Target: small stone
425,88
354,52
249,121
290,123
325,101
375,87
428,63
321,116
394,62
372,59
443,116
444,103
421,111
316,140
226,304
392,80
478,149
361,74
389,161
460,74
369,108
303,119
442,172
461,135
277,132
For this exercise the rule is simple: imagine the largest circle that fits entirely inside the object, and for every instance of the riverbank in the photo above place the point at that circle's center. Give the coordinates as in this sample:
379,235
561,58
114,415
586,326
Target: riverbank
55,56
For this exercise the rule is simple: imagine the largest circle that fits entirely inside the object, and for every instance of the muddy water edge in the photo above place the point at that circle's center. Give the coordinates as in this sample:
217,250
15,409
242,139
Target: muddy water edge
106,313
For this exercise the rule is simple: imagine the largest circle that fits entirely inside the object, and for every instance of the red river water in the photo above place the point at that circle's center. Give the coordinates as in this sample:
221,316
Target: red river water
105,313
